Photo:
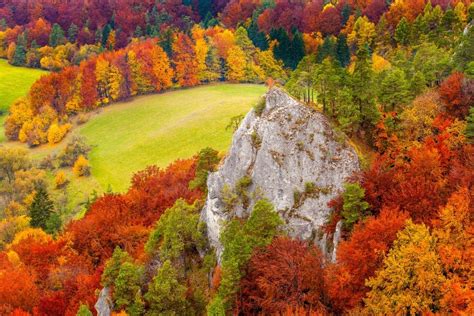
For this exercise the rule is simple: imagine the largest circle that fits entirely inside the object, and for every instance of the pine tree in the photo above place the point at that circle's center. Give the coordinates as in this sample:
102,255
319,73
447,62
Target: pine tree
138,32
3,24
112,267
57,35
72,33
166,296
19,56
40,209
208,159
127,290
105,35
402,32
327,49
354,206
281,50
297,50
239,239
343,54
83,311
464,52
394,89
469,132
258,38
362,87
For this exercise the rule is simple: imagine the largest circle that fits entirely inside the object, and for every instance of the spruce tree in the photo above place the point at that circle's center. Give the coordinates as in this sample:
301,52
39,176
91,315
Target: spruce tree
363,88
19,57
83,311
354,206
40,209
3,24
327,49
393,89
57,35
343,54
72,33
258,38
402,32
105,34
281,50
297,50
166,296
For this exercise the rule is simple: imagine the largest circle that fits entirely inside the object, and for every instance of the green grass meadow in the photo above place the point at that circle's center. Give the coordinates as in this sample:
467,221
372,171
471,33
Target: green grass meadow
14,83
158,129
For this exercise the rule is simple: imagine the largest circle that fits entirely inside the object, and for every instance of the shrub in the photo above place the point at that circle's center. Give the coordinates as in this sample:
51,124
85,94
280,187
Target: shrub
75,148
81,167
60,180
57,132
260,106
82,118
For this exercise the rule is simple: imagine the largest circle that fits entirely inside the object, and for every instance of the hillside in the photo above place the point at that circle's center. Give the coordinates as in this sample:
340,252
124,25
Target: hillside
14,83
237,157
159,129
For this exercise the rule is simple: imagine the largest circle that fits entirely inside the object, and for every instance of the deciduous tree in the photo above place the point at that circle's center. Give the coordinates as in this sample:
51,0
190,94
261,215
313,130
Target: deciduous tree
411,279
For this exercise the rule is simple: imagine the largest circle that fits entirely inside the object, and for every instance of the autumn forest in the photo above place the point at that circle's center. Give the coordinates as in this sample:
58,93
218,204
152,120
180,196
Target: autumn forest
99,92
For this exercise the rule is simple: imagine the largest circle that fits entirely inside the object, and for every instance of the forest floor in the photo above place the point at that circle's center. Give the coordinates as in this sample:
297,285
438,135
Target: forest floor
14,83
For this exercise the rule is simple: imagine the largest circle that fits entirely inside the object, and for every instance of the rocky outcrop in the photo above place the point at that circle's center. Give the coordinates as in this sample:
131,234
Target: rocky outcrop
288,154
104,304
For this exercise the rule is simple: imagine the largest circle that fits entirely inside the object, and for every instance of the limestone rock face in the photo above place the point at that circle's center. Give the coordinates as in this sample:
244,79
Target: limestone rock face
288,154
104,304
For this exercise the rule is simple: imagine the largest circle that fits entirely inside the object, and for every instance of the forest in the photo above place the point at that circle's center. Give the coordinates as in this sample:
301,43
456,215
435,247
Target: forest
395,81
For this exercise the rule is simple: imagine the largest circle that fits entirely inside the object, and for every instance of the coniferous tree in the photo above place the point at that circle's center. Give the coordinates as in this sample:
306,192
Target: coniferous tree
402,32
354,206
297,50
41,208
345,13
84,311
3,24
469,132
239,240
207,161
327,49
19,56
343,53
105,35
258,38
57,35
394,89
281,49
166,296
72,33
363,89
127,289
138,32
464,52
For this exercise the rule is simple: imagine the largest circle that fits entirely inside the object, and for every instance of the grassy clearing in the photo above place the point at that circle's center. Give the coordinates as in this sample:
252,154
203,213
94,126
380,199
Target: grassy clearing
158,129
14,83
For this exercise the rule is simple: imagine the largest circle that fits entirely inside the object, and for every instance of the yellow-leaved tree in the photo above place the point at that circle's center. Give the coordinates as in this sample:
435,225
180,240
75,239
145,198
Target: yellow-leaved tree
236,64
81,167
363,32
411,280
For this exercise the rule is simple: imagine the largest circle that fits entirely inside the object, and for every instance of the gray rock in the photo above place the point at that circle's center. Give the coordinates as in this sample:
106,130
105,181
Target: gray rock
104,304
287,150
